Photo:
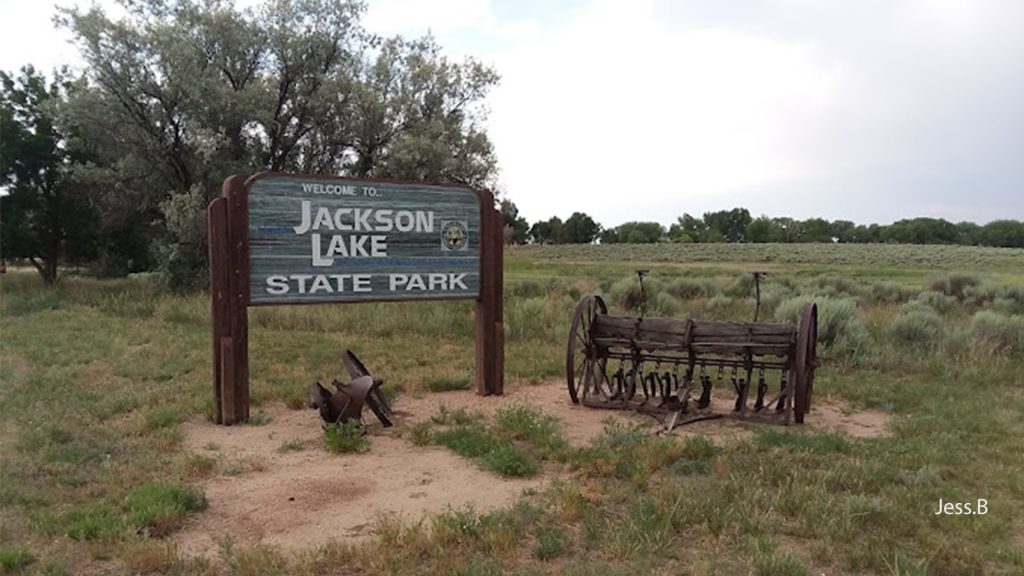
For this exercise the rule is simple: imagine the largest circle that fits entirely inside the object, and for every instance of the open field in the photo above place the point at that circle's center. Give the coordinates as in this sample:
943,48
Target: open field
109,464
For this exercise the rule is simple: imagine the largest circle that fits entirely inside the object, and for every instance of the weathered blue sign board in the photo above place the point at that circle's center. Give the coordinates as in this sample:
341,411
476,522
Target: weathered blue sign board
293,239
333,240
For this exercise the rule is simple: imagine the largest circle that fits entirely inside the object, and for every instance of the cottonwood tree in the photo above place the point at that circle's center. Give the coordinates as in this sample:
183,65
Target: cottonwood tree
633,233
551,231
45,218
180,94
580,229
517,229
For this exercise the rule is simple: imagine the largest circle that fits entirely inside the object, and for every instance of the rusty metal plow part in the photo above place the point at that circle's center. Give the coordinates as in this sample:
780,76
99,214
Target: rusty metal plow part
375,398
670,368
347,402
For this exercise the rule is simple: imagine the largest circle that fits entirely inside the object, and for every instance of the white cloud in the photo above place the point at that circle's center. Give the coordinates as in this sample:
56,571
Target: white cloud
622,116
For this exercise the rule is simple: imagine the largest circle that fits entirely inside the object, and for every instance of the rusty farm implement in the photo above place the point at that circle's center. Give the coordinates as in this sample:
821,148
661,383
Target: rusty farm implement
681,371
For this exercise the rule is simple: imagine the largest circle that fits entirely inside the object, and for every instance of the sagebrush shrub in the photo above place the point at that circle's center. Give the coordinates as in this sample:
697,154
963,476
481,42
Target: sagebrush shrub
718,307
938,301
979,295
689,288
955,285
522,316
841,332
917,327
890,293
832,285
664,304
742,287
1009,299
627,295
997,334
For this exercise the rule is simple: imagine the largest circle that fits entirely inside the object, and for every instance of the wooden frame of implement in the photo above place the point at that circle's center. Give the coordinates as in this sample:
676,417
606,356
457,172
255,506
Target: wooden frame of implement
230,297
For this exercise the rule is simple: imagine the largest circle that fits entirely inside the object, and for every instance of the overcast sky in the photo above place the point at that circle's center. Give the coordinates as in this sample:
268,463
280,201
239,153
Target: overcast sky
864,110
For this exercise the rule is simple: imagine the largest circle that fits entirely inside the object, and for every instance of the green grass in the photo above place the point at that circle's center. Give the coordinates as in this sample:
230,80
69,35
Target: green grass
477,443
448,383
98,478
516,444
13,559
347,438
161,508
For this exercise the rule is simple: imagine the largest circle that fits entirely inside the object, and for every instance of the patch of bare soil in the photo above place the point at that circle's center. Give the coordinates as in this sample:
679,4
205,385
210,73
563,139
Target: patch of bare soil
296,500
829,414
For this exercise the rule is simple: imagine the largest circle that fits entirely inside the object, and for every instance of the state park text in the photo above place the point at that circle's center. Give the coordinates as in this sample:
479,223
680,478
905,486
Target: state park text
326,241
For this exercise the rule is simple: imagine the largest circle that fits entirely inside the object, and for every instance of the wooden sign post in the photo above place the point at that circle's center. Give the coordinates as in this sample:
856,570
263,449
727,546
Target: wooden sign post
298,239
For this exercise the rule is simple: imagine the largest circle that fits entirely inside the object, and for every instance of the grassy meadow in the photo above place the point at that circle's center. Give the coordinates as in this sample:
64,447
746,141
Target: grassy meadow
97,375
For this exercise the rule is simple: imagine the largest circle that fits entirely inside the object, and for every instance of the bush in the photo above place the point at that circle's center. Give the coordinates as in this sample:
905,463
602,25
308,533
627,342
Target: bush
346,439
997,334
718,307
774,295
688,288
955,285
938,301
522,316
1011,299
890,293
664,304
626,292
979,295
840,330
742,287
835,286
917,327
183,258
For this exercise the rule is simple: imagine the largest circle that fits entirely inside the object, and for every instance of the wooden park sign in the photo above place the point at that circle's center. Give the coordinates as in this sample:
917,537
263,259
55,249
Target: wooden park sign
299,239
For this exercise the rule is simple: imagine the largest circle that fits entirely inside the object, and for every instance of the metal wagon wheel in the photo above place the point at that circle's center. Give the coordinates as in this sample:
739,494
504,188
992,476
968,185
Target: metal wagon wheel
806,361
582,366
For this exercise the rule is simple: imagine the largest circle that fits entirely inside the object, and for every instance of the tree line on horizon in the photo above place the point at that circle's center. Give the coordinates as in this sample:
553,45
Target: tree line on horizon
737,225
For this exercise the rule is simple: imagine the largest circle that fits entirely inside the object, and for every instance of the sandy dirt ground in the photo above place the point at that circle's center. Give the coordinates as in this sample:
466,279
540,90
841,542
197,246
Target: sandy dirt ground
296,500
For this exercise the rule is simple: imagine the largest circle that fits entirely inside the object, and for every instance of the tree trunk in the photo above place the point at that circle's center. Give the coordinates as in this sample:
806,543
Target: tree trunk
47,269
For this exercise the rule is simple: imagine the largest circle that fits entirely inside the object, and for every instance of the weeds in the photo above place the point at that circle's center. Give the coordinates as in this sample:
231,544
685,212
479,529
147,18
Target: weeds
294,445
551,543
477,443
346,438
448,383
515,445
13,559
161,508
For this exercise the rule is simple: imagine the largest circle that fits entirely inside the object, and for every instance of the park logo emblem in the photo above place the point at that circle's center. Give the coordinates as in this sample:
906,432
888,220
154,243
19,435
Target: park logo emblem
454,236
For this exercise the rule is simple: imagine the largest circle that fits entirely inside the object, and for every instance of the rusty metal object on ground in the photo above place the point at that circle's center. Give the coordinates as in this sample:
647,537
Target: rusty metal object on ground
347,401
669,367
